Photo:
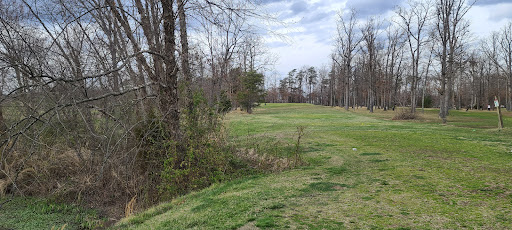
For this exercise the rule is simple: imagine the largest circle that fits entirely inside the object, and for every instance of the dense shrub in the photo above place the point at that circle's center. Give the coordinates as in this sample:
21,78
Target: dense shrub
428,101
405,114
202,157
224,105
199,158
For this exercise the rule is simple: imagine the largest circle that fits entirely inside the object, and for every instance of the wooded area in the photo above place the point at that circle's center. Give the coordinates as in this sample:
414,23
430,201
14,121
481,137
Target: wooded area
103,102
423,56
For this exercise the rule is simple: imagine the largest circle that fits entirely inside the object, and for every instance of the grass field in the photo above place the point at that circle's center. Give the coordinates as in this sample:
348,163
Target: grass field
364,171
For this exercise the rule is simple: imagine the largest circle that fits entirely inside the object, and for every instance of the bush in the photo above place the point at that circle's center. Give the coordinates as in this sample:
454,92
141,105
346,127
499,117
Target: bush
201,158
428,102
405,114
224,104
154,144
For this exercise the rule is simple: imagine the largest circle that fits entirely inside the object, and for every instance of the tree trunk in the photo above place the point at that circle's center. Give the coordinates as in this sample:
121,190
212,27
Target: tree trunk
509,92
413,96
347,88
185,66
168,87
3,126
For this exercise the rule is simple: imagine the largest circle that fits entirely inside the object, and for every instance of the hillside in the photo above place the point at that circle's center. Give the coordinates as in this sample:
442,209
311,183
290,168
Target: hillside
364,171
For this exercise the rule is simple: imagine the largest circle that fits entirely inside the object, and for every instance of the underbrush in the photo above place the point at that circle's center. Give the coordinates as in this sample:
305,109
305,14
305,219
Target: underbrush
120,170
63,179
201,157
405,114
267,153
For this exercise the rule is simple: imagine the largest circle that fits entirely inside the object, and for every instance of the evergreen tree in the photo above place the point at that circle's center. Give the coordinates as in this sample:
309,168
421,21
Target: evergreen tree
312,76
252,92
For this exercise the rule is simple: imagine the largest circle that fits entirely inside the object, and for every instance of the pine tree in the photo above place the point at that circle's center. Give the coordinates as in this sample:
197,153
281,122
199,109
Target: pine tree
252,92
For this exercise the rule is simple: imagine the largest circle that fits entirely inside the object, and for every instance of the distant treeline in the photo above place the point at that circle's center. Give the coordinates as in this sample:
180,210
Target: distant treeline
424,56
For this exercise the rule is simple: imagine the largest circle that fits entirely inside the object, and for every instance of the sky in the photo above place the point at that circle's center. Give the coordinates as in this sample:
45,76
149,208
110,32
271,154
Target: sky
309,26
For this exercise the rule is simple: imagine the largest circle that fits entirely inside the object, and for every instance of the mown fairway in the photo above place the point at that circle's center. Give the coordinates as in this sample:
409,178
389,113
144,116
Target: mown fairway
404,174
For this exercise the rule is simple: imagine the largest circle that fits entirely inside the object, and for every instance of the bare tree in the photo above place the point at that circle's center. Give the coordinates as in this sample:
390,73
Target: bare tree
451,28
394,51
426,71
498,49
369,32
414,20
347,41
506,51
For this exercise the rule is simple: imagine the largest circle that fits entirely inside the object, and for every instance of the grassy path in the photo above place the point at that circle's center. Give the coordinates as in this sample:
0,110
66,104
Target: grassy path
403,175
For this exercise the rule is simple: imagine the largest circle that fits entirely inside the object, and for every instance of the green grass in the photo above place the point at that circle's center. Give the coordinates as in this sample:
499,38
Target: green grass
33,213
402,174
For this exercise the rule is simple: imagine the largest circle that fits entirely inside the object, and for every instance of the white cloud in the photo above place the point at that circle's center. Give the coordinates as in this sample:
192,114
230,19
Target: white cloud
367,8
484,19
311,25
305,50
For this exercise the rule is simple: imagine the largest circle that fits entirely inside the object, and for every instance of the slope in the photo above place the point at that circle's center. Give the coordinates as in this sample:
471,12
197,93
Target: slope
365,171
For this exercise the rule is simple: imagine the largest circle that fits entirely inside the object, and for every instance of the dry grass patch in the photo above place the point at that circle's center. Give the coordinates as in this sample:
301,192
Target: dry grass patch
264,162
405,114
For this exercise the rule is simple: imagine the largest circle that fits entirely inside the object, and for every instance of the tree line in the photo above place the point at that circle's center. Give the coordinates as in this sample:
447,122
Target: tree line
422,56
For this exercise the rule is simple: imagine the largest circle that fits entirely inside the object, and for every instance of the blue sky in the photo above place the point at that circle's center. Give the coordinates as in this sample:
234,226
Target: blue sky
310,26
